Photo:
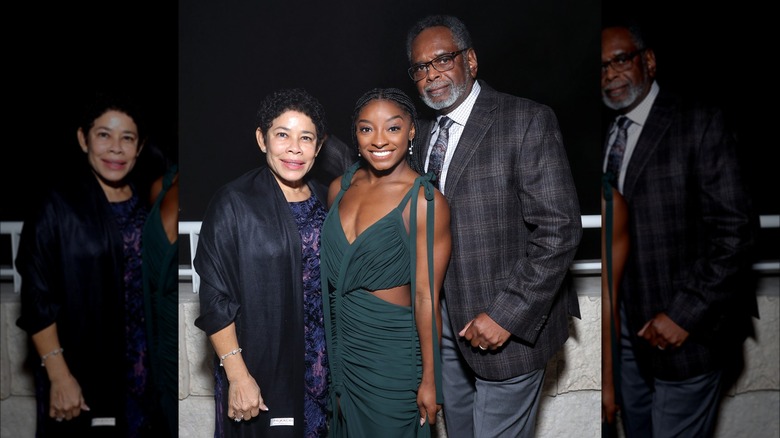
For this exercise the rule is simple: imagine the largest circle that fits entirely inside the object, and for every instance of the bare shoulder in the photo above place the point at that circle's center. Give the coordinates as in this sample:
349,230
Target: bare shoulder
156,188
440,203
441,207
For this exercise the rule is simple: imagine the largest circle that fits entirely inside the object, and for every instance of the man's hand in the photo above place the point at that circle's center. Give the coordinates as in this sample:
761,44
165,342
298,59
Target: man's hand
663,333
484,333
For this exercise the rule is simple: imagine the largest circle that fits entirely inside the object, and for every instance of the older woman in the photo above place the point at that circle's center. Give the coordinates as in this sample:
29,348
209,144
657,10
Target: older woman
260,296
82,294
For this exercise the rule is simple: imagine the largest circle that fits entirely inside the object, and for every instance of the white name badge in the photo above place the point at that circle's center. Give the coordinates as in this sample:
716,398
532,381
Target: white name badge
103,421
282,422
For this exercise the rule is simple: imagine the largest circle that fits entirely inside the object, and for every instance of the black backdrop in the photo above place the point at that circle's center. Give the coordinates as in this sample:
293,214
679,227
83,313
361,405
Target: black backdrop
58,55
204,66
230,57
720,52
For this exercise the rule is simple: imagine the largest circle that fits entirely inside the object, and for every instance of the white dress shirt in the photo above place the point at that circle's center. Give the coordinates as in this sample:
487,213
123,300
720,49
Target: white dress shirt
638,116
459,117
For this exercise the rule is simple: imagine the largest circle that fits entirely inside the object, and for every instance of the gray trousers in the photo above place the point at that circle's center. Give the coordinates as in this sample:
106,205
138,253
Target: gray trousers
657,408
475,407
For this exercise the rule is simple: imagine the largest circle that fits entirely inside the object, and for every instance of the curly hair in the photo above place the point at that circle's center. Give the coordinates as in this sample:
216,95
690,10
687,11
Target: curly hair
390,94
459,31
121,102
293,99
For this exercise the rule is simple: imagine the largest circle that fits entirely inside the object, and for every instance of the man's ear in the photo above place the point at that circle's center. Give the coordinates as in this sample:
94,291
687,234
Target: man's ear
650,62
260,139
471,58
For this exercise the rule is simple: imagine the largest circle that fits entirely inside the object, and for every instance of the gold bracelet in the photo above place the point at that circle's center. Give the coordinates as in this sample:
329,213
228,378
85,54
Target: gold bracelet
232,353
51,353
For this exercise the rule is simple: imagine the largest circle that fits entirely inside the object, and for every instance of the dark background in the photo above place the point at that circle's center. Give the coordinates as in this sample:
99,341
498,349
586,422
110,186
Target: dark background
59,55
719,53
203,67
230,57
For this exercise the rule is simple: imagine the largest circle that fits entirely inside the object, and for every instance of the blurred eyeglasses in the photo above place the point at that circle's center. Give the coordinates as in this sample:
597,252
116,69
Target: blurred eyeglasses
441,63
622,62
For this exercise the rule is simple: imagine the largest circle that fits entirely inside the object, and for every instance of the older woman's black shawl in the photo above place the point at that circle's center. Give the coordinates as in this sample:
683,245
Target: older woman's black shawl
249,262
71,261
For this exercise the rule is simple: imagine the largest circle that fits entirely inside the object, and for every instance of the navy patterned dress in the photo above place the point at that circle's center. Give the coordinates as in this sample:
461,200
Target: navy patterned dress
309,216
130,218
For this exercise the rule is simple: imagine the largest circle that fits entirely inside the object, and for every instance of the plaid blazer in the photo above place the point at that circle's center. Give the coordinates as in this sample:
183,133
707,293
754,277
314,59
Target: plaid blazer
691,229
516,226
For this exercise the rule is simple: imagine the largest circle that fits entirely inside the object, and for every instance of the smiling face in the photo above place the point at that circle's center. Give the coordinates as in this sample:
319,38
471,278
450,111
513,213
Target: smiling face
290,147
443,91
623,91
383,131
112,147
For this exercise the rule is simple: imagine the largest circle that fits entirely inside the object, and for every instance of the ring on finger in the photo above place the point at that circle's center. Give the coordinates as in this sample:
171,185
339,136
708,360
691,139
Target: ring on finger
481,347
59,419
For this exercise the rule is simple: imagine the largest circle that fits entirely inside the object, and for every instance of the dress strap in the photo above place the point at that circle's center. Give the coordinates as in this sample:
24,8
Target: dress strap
608,183
167,182
170,174
346,181
420,181
346,178
424,181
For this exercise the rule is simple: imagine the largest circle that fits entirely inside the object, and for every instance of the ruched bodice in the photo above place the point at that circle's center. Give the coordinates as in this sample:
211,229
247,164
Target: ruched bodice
377,259
373,345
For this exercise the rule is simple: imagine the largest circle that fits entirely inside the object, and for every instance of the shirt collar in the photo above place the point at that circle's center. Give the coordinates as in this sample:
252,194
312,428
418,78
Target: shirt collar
461,114
639,114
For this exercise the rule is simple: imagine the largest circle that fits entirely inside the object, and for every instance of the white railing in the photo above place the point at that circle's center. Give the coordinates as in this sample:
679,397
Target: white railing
14,230
191,229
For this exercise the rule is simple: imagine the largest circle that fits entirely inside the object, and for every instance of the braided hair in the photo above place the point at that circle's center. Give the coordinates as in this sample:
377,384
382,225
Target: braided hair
390,94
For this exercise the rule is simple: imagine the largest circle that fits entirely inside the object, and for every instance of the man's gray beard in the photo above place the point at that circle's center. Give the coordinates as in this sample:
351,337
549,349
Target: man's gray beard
457,91
634,91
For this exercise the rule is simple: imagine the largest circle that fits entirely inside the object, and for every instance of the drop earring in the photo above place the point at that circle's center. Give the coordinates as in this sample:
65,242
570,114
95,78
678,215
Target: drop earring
411,147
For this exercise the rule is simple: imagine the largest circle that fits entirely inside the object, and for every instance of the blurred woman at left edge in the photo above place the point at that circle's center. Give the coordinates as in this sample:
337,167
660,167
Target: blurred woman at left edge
82,294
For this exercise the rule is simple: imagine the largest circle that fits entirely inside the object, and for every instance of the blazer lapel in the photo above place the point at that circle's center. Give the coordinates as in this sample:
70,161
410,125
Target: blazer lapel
656,126
479,122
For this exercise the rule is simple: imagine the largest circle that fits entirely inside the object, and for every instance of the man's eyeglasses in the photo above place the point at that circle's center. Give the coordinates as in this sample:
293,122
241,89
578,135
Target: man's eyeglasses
622,62
441,63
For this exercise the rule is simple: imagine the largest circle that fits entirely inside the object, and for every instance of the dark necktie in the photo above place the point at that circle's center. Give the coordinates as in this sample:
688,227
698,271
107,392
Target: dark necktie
618,147
436,159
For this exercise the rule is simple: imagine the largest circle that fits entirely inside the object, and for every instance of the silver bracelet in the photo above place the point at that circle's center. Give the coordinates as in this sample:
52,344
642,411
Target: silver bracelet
232,353
51,353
